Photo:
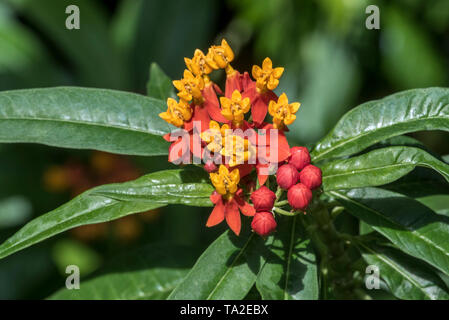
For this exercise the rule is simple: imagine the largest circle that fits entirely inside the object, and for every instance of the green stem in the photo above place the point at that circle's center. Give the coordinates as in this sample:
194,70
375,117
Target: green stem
281,203
285,212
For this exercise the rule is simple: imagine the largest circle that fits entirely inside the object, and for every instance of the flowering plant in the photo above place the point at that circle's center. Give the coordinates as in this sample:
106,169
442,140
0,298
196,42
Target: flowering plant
297,241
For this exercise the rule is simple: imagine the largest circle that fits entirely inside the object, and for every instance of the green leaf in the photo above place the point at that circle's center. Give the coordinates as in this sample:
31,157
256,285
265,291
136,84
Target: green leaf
420,182
374,121
378,167
226,270
406,277
438,203
150,272
83,118
113,201
159,86
290,272
410,225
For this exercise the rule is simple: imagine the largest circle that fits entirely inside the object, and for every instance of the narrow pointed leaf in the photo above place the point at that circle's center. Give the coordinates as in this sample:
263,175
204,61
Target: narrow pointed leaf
159,86
150,272
406,277
113,201
290,272
410,225
378,167
82,118
226,270
374,121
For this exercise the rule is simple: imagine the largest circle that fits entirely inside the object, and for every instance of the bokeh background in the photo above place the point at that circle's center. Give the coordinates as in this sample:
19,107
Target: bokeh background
332,64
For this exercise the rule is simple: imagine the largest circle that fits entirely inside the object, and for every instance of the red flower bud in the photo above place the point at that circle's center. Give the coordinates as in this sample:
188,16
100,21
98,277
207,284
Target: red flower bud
299,196
210,166
310,176
263,223
263,199
287,176
299,158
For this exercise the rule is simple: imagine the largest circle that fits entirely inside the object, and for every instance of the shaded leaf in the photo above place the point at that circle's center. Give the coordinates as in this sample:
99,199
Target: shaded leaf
411,226
113,201
226,270
406,277
159,86
290,272
150,272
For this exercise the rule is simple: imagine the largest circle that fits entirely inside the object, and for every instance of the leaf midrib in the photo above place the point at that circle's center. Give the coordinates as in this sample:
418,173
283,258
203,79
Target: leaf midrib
413,232
289,258
393,265
93,124
403,164
321,154
228,269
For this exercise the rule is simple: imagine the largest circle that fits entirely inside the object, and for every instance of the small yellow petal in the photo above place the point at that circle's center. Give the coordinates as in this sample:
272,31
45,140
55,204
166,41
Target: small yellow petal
294,107
267,64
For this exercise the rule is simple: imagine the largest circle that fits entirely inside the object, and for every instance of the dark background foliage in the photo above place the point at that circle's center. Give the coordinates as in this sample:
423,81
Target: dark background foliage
332,64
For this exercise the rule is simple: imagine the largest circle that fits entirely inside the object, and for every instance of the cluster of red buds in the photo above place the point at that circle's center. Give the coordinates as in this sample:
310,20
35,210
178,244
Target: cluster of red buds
297,176
235,133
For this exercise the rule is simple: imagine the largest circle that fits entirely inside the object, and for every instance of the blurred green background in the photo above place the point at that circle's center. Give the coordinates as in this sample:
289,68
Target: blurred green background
332,63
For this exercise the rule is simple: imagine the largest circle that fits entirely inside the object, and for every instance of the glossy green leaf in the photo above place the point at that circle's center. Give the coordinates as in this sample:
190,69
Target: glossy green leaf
374,121
410,225
290,272
113,201
226,270
159,86
83,118
406,277
150,272
378,167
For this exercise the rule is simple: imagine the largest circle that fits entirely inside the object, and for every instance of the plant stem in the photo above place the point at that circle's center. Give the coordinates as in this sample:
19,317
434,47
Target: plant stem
281,203
285,212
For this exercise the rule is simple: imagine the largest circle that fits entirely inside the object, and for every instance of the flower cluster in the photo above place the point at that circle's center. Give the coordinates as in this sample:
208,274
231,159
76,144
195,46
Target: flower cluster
229,133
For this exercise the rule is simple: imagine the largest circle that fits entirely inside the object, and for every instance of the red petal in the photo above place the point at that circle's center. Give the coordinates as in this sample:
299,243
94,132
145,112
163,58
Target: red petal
232,215
247,82
200,119
284,148
179,151
268,96
245,207
215,197
212,105
261,177
167,137
245,169
195,144
233,83
217,214
258,110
